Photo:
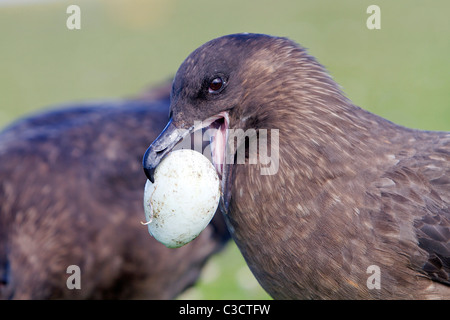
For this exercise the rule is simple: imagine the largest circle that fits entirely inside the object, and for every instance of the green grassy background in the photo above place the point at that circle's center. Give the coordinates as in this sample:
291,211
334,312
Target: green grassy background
400,72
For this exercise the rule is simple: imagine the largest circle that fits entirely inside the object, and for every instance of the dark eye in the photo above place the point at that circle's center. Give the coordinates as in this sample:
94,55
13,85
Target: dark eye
215,85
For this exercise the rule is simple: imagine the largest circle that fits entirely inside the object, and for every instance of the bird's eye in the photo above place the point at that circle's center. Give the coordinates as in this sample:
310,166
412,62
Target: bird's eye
215,85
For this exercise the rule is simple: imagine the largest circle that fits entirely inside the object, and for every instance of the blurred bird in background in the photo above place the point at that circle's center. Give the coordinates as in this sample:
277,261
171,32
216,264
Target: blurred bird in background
71,190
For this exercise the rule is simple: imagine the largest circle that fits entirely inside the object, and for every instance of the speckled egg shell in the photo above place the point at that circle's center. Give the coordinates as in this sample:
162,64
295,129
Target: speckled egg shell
183,199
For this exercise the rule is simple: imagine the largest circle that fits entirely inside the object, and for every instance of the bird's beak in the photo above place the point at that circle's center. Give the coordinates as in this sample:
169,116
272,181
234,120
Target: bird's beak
162,145
171,136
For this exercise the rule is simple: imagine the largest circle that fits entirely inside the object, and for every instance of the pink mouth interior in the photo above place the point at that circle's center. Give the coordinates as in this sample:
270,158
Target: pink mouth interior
218,142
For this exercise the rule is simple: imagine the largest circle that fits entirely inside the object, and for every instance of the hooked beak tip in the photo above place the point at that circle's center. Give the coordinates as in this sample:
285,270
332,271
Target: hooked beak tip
149,169
162,145
150,173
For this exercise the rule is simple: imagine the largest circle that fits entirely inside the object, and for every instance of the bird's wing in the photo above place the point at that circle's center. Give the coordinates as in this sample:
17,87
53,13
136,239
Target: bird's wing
409,206
433,229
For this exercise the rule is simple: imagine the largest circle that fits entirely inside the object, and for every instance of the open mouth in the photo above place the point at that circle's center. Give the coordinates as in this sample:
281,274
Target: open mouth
218,133
216,127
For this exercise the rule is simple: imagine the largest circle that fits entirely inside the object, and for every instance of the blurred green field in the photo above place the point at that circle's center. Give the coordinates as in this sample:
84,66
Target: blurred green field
401,72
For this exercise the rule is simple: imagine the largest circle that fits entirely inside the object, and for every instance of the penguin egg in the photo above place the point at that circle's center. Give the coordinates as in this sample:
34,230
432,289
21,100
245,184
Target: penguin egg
183,199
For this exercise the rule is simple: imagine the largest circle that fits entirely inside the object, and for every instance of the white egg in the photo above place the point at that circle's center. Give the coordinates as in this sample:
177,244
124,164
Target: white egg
183,199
